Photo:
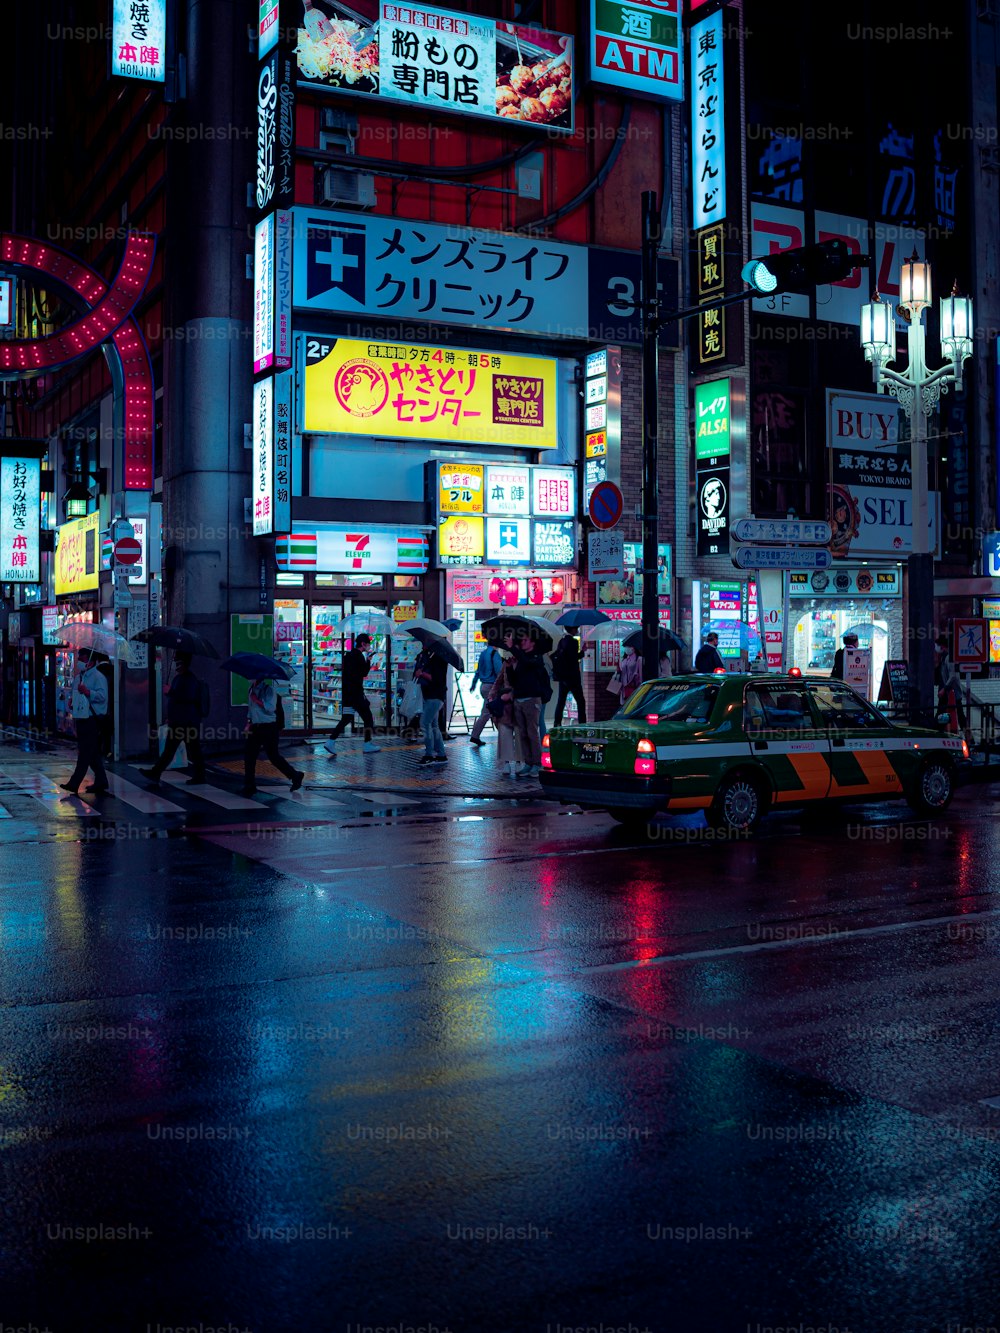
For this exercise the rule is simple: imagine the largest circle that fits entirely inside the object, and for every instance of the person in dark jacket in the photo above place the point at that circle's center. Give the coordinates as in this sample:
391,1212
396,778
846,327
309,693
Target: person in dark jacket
353,697
708,657
530,684
186,708
567,675
431,670
850,641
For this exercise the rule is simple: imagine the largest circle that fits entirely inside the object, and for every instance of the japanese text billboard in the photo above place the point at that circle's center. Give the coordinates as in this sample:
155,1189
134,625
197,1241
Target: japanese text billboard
20,518
432,275
138,39
636,44
437,60
400,391
871,480
78,559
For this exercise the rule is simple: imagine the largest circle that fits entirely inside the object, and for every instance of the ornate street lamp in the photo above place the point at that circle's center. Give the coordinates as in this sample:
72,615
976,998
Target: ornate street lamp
918,391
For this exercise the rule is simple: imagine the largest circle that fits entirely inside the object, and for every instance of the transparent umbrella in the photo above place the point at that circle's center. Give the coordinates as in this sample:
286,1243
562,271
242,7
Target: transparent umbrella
366,622
95,637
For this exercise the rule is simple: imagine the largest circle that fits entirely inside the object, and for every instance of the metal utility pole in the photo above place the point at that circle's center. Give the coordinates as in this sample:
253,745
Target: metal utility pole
650,303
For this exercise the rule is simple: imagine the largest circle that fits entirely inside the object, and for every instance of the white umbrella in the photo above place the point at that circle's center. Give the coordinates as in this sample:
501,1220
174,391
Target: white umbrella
425,623
95,637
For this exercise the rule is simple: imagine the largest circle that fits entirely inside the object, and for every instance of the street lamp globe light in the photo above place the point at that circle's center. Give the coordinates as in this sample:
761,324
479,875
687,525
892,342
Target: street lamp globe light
956,326
915,285
878,332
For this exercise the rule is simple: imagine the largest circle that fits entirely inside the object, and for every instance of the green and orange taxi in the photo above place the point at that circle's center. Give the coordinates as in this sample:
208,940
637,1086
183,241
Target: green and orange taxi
737,746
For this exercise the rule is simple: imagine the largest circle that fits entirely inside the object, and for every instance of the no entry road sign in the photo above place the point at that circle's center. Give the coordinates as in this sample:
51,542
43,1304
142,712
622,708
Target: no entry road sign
128,551
606,505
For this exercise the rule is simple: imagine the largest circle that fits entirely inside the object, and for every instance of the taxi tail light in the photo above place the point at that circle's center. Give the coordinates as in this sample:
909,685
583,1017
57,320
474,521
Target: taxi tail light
645,759
546,754
965,749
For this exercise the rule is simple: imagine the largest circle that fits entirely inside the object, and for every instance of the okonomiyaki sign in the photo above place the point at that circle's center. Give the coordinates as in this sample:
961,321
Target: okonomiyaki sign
399,391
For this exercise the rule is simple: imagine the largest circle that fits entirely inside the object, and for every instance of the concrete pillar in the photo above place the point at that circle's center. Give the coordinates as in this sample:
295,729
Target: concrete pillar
211,563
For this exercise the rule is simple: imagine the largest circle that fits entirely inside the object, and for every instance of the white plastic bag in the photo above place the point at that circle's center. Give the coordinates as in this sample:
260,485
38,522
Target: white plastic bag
412,702
180,759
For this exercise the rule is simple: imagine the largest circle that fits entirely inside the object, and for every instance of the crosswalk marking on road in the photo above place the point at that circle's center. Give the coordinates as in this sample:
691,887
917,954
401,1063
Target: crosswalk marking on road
146,802
228,800
41,788
385,798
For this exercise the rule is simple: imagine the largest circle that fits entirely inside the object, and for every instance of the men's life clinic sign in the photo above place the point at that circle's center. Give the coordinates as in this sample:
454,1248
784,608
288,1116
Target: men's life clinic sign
20,519
401,391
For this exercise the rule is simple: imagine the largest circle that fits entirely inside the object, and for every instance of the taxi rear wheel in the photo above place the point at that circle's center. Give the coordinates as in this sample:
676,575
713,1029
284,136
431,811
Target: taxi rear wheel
932,793
739,803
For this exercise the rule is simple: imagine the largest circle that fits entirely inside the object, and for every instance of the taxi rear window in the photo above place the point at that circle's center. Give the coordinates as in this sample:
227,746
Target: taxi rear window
673,703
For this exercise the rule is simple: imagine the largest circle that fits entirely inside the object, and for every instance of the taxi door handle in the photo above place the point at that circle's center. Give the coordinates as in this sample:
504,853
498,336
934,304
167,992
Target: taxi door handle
839,740
760,745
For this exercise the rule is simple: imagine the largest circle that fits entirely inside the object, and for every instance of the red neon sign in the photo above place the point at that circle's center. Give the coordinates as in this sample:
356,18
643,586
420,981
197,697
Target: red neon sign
109,317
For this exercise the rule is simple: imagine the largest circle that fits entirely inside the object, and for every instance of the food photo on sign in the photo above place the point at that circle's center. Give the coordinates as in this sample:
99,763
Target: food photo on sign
436,58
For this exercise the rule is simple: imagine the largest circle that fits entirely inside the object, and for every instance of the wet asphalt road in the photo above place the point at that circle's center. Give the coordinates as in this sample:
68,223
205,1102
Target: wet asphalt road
489,1066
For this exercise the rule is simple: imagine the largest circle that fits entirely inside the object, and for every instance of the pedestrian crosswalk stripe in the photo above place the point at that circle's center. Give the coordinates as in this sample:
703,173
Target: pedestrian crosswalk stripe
228,800
385,798
57,802
146,802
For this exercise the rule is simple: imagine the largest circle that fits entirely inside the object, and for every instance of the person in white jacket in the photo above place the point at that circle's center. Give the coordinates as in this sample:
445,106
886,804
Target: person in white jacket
89,705
262,734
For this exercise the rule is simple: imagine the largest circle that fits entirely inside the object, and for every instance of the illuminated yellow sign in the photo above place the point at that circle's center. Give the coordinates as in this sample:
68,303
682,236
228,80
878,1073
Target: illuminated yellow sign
461,540
78,555
400,391
460,488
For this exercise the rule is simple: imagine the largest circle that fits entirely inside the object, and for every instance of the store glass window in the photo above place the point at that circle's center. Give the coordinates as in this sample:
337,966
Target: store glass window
290,647
327,651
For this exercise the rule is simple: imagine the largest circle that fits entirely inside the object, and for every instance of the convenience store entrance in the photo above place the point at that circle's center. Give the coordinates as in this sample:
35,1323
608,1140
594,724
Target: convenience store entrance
307,636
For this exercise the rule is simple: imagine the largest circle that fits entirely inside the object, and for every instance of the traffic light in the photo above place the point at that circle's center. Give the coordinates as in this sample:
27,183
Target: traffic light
800,270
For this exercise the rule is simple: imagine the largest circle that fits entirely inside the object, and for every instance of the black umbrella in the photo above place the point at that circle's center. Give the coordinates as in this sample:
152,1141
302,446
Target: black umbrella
497,627
173,636
256,666
669,641
442,648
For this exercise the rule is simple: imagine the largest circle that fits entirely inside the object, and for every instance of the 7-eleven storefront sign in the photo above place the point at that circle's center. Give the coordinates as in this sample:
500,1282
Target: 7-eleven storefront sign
324,548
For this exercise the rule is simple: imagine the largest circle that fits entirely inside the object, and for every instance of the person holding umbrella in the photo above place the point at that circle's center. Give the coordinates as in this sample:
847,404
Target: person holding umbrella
356,668
567,675
187,706
263,730
529,682
89,705
431,670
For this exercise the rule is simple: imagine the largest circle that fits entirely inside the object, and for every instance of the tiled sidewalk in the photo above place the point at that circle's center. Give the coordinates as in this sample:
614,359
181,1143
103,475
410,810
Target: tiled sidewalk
471,770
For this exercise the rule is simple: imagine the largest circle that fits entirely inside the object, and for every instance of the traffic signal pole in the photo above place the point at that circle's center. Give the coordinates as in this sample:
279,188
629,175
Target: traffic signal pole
649,299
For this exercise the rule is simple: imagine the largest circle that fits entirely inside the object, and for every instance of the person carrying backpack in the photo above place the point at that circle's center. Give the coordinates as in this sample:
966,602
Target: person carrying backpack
188,703
488,670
